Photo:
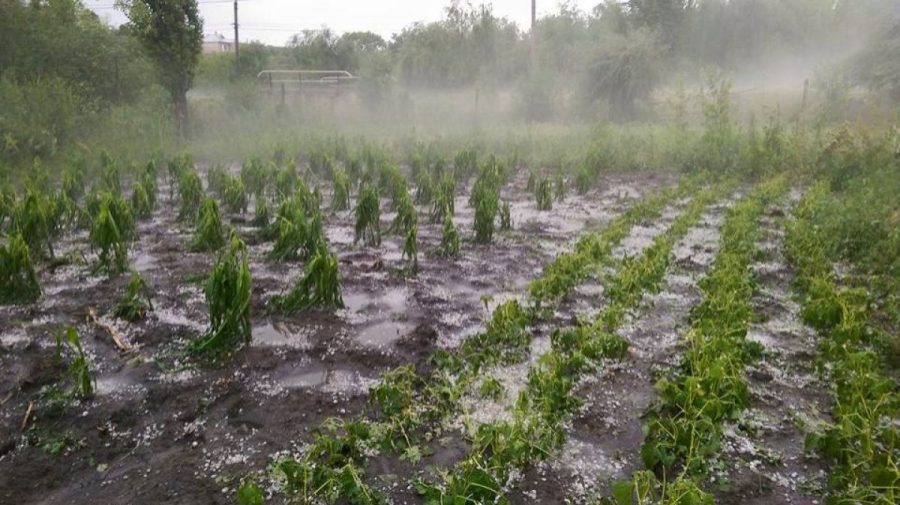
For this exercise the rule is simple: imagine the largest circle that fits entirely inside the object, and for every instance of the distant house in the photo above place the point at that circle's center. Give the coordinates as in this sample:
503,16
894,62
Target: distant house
217,43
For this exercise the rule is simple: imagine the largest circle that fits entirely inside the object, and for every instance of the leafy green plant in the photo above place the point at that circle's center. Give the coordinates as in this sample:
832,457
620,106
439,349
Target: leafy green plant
331,468
411,250
140,201
18,282
78,373
449,247
340,198
261,213
560,187
106,238
33,219
505,217
319,287
368,216
73,181
444,202
486,200
228,297
190,194
299,237
424,188
135,303
111,179
234,197
208,233
543,195
406,215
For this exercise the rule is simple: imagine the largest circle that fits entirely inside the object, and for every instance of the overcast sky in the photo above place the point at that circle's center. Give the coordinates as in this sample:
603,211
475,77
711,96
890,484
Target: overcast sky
274,21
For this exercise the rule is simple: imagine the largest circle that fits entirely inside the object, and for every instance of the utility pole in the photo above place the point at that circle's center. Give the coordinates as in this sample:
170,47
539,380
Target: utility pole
533,34
237,44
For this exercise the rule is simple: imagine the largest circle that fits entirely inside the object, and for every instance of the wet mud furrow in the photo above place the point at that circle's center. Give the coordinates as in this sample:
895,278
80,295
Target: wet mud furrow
765,448
605,436
157,432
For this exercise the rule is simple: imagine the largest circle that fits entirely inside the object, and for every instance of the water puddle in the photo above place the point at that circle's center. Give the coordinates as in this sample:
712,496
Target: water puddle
384,333
313,375
279,334
124,383
143,262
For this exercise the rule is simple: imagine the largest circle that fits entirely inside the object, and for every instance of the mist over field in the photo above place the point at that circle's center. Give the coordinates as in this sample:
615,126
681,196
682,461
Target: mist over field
631,252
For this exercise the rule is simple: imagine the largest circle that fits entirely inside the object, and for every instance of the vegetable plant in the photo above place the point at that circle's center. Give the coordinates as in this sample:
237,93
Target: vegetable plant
368,216
319,287
340,198
135,303
449,247
78,373
228,297
18,281
107,239
208,233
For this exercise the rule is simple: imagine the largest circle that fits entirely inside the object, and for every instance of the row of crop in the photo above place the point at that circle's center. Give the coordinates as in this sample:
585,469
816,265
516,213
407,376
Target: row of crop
708,388
540,414
862,441
410,408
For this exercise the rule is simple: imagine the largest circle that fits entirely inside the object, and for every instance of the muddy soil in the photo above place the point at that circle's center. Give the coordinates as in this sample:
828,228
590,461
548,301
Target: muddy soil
163,430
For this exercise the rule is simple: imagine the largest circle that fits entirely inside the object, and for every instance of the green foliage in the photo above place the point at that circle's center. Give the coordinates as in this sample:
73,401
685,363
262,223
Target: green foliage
858,443
299,237
190,195
172,34
624,69
340,199
368,216
319,287
234,197
444,202
249,493
106,237
18,282
331,468
411,250
208,233
505,340
543,195
135,303
685,430
406,217
449,247
261,213
33,219
78,373
505,217
228,297
424,188
111,178
486,200
140,202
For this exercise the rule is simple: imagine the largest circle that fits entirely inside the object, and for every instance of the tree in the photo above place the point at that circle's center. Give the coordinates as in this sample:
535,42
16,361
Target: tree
172,33
878,66
625,69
